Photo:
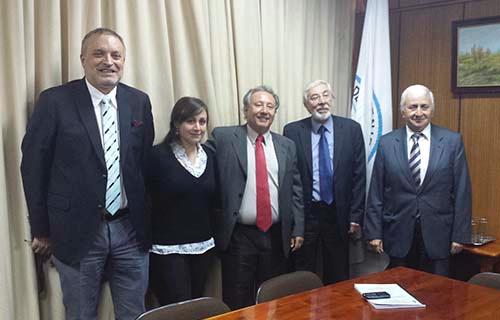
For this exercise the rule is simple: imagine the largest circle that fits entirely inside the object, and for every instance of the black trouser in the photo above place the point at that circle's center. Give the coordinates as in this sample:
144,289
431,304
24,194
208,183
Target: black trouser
322,236
417,257
252,257
178,277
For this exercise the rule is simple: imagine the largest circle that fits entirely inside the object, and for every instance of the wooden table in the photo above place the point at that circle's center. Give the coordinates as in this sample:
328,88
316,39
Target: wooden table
445,299
488,255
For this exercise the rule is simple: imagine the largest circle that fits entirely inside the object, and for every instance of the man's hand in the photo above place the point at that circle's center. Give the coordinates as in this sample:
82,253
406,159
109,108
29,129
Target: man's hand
377,245
42,246
456,247
296,243
354,228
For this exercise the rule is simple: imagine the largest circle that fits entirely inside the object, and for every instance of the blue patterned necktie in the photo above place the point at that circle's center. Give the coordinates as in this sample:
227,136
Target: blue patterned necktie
111,155
414,161
325,168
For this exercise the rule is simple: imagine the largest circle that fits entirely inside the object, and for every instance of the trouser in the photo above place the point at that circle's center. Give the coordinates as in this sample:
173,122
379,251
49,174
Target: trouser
322,238
417,257
179,277
116,252
252,257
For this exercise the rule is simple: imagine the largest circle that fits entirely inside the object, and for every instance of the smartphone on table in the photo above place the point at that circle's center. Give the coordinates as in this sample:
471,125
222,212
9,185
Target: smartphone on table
376,295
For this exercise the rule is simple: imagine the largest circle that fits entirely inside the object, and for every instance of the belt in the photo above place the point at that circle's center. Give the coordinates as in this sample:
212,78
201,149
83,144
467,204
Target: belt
110,217
322,204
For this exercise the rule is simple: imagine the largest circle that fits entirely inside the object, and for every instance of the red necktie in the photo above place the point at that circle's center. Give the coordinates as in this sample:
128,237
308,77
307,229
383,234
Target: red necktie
264,220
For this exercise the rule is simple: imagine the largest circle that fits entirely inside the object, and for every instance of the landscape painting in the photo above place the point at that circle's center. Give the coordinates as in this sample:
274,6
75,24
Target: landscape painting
476,56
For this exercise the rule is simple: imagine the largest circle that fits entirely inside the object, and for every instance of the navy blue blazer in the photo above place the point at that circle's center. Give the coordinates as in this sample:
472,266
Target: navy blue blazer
349,166
443,200
63,166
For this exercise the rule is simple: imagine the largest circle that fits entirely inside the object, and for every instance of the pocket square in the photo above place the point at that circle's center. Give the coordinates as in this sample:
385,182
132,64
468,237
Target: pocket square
137,123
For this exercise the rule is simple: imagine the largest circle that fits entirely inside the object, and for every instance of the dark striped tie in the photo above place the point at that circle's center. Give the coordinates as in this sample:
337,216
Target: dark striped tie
111,155
415,159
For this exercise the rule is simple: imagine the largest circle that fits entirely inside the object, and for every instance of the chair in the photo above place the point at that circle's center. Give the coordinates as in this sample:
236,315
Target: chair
486,279
287,284
373,262
194,309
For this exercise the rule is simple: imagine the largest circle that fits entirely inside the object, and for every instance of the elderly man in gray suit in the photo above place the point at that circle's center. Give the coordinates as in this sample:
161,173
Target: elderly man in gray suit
262,215
419,203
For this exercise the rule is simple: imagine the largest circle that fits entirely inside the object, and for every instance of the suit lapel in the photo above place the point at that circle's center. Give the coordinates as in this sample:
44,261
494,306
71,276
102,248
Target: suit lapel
436,151
338,133
401,154
240,146
125,119
86,110
305,141
281,156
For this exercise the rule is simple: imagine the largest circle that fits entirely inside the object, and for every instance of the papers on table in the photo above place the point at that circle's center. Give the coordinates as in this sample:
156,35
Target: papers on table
400,298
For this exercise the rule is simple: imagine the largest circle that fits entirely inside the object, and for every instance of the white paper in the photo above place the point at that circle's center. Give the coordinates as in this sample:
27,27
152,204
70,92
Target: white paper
400,298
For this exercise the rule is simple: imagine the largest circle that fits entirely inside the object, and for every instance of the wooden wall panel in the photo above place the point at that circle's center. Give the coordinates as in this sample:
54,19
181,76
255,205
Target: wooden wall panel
425,49
394,24
409,3
480,126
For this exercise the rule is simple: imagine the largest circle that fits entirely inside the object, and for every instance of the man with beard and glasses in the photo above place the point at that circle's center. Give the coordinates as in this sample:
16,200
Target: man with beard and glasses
331,158
419,202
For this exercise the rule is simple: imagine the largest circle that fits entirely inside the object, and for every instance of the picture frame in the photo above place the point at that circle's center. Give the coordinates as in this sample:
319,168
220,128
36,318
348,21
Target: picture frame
476,56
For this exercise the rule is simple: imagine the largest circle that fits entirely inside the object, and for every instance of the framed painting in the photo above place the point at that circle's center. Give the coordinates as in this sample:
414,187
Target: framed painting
476,56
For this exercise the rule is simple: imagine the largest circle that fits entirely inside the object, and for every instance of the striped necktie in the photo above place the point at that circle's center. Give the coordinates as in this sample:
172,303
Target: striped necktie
414,161
111,155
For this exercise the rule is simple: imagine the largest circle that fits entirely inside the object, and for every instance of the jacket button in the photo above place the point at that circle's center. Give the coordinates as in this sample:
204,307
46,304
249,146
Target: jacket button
99,206
235,213
104,175
240,195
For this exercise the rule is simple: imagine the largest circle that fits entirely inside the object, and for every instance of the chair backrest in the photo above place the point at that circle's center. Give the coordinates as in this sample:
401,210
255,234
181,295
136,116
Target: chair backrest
194,309
287,284
486,279
373,262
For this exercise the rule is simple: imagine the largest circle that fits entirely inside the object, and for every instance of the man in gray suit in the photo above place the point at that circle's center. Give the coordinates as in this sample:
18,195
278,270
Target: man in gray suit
419,203
262,212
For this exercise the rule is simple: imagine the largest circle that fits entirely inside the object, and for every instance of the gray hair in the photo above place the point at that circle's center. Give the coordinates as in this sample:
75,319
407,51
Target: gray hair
99,31
248,96
418,88
314,84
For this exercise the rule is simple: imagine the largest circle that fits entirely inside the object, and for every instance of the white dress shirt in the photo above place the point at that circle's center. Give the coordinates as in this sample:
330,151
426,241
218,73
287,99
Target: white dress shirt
248,209
424,142
97,97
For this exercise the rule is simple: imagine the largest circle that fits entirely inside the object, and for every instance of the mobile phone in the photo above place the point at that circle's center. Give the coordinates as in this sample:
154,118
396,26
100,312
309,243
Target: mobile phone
376,295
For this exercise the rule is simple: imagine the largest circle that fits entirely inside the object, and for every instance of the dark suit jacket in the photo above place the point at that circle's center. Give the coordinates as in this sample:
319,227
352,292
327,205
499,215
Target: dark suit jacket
349,168
231,154
443,200
63,166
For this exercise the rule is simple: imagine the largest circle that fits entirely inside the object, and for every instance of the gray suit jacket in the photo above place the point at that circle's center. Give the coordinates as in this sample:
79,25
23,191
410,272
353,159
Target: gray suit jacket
231,155
443,200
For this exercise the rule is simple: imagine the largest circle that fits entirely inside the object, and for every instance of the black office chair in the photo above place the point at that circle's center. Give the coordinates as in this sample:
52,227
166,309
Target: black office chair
373,262
287,284
194,309
486,279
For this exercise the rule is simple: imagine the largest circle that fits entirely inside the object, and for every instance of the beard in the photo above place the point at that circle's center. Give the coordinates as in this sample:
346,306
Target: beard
321,117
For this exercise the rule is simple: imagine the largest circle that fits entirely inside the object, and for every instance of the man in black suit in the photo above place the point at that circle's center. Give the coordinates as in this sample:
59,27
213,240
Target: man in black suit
82,171
261,222
419,203
331,157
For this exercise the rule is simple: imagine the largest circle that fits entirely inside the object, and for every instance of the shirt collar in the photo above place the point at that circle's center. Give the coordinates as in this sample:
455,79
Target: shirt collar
328,124
97,95
426,133
252,135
